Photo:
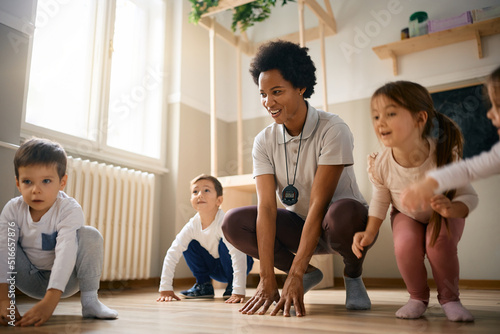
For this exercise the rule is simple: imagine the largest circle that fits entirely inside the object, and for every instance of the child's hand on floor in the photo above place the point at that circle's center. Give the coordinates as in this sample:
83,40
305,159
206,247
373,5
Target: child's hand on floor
5,313
41,311
167,296
235,299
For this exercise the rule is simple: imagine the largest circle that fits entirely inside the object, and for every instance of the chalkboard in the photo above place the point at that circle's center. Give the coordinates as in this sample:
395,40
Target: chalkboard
467,107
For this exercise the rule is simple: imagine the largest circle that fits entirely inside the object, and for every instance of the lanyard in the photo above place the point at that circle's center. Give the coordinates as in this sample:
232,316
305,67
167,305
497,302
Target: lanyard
290,194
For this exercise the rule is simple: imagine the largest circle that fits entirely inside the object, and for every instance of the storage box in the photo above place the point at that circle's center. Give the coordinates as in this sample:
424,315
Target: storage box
485,13
451,22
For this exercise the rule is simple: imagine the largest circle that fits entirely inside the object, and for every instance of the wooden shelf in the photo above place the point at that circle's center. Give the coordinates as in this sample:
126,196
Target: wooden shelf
244,182
472,31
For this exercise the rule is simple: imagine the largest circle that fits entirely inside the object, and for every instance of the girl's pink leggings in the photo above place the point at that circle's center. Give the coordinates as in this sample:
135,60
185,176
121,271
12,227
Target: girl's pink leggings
412,243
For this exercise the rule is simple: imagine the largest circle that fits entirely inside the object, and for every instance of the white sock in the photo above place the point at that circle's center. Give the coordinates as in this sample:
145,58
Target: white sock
93,308
356,295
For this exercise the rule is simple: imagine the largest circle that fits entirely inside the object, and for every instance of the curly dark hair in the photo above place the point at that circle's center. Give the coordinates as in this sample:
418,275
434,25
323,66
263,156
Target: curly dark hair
292,60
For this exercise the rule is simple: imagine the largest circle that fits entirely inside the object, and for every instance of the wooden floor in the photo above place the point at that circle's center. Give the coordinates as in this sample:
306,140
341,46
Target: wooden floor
140,313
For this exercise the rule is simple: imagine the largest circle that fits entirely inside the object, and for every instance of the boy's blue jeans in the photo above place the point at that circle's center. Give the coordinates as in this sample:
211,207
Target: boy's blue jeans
205,267
85,276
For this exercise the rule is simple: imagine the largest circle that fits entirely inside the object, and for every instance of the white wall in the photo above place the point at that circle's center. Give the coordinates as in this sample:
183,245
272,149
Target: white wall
354,71
15,22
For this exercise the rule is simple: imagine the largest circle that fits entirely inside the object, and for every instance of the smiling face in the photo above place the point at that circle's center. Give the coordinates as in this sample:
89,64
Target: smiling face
39,185
204,196
284,102
494,113
394,125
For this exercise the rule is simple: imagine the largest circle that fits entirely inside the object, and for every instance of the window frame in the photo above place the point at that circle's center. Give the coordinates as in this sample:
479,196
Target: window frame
99,102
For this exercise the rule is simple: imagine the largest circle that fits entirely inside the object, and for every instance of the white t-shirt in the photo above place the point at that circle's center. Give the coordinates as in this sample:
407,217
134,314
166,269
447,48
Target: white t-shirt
326,140
209,239
468,170
50,244
389,179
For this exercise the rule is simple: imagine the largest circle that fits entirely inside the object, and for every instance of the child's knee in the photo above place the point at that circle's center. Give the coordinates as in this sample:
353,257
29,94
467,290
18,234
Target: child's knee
89,236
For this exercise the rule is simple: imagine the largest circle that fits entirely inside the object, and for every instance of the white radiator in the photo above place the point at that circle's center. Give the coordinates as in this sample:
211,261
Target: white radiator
119,203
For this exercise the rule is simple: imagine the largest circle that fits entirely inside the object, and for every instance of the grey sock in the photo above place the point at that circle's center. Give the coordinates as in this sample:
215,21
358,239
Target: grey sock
310,280
356,295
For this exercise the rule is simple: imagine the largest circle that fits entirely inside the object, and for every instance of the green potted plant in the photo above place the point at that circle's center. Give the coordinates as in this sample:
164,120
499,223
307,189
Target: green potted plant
244,16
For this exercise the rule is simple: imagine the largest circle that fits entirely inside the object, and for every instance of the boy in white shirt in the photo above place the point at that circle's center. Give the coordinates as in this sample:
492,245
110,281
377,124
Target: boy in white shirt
207,253
45,249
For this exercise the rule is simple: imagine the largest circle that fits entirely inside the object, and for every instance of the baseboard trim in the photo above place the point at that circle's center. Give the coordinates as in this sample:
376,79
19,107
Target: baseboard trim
371,282
129,284
253,281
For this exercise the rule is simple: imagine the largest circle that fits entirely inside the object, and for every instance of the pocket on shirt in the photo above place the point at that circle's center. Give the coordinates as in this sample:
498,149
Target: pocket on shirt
49,241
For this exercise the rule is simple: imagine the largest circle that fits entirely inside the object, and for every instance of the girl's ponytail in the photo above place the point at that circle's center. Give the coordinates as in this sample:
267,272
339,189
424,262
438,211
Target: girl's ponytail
449,148
450,141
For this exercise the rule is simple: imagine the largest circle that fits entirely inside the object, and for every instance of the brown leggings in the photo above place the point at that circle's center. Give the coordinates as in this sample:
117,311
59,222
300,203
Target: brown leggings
343,219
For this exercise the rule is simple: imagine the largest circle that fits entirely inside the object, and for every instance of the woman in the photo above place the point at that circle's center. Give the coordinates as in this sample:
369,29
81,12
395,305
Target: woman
305,157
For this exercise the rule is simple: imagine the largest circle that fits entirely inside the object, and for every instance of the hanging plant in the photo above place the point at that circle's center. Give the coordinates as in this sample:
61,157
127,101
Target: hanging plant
244,16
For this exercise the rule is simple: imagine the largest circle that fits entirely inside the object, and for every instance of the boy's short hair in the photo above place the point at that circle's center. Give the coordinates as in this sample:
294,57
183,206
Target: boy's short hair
217,184
39,151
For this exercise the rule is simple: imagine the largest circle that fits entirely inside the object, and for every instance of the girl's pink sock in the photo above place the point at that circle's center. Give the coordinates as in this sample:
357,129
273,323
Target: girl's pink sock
414,309
455,311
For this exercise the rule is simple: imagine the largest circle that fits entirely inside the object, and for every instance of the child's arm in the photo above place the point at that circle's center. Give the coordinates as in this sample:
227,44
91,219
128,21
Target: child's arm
239,262
448,209
174,253
458,174
365,238
379,204
167,296
42,310
69,220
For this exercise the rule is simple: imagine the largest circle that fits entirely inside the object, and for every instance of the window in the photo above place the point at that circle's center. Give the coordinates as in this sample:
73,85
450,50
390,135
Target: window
96,80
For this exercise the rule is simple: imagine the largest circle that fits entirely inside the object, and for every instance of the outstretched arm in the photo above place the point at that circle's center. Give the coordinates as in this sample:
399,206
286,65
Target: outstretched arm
267,290
323,188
